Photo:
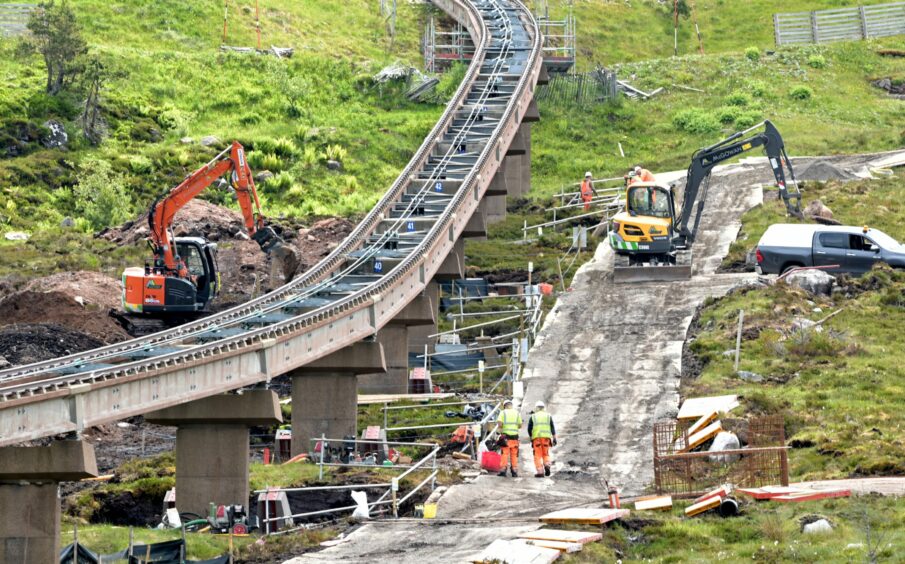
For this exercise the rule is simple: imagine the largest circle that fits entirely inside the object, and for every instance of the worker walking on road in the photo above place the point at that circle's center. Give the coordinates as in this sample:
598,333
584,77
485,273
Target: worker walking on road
587,191
543,436
510,421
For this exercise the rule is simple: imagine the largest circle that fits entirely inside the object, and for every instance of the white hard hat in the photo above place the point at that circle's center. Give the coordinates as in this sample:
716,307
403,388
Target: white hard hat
539,405
637,168
588,174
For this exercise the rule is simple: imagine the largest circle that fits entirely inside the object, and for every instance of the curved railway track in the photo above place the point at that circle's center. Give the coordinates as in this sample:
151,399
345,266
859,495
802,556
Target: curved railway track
367,279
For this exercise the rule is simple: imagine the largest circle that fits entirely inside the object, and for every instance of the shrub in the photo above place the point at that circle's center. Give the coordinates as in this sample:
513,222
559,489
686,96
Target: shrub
817,61
279,182
259,160
758,88
696,120
284,147
752,53
140,164
101,195
250,118
336,152
738,99
801,93
744,120
310,157
728,114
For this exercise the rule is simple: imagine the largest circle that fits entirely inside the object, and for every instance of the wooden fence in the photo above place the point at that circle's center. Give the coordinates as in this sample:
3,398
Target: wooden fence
13,18
859,22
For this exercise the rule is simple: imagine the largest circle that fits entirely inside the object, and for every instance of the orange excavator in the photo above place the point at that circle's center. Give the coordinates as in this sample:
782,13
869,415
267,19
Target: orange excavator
182,277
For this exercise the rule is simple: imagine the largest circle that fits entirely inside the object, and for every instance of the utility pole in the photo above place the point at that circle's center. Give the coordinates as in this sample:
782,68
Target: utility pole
675,27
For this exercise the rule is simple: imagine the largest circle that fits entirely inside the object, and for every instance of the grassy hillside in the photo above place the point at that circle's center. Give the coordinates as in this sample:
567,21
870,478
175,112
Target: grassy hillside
618,31
819,97
168,80
840,388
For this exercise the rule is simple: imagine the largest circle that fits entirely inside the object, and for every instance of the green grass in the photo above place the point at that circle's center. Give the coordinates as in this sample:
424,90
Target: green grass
764,532
845,114
616,32
840,390
169,80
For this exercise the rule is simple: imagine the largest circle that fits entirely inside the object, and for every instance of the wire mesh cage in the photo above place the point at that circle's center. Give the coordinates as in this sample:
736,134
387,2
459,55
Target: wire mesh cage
762,462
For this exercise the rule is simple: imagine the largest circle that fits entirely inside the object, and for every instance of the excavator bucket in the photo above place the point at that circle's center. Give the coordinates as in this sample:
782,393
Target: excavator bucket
283,255
624,273
664,273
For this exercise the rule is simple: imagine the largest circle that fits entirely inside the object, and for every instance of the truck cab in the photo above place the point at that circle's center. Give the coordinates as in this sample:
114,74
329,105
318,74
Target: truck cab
837,249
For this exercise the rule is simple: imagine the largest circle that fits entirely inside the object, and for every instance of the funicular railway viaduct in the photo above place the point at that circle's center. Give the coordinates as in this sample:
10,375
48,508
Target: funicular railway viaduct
346,324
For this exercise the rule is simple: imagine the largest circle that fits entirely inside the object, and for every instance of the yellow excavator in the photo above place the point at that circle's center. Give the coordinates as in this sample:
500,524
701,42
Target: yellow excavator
652,238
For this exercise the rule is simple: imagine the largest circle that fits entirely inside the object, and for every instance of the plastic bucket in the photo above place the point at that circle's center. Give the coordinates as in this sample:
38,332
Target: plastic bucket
491,461
430,510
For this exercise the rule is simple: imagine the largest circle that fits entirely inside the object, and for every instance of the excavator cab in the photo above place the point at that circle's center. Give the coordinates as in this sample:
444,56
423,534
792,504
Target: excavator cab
154,289
646,227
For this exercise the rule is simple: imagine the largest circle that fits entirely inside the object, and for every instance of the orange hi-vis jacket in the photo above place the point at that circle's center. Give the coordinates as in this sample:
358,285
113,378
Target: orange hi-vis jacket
587,192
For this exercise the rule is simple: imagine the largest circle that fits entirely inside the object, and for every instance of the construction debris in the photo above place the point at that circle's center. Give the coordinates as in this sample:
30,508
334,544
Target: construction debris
584,516
793,494
702,436
580,537
278,52
563,547
633,92
516,552
653,503
695,408
703,506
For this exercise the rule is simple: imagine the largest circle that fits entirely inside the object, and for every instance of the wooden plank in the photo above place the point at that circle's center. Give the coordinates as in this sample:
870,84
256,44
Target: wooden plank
563,547
585,515
695,408
769,492
511,552
721,491
654,503
702,436
581,537
706,505
812,495
702,423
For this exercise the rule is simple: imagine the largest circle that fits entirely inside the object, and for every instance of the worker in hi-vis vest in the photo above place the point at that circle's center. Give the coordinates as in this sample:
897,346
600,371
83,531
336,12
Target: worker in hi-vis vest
543,436
587,190
510,421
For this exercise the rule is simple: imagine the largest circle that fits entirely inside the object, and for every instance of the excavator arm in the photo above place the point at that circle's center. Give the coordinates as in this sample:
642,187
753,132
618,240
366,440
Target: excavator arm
705,160
163,210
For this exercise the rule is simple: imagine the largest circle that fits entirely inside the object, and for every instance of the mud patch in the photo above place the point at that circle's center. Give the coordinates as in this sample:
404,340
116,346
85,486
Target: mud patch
128,509
24,344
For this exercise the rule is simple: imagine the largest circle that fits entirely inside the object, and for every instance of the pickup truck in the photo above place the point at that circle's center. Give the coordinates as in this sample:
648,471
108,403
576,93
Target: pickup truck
847,249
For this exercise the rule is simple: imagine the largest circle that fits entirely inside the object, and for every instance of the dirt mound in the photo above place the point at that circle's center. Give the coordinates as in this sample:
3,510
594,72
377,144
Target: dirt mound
79,301
316,242
823,171
196,219
24,344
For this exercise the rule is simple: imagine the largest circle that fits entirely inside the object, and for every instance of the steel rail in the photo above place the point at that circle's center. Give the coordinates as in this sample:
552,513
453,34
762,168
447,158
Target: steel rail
264,338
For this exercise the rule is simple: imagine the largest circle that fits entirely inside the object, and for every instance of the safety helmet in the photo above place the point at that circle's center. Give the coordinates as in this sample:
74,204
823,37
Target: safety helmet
638,168
539,405
507,402
588,174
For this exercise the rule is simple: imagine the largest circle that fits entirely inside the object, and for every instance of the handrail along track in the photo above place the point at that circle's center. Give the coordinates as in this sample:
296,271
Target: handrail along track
344,304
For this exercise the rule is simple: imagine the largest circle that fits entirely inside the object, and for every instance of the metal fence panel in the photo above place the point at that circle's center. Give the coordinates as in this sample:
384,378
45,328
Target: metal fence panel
14,17
859,22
